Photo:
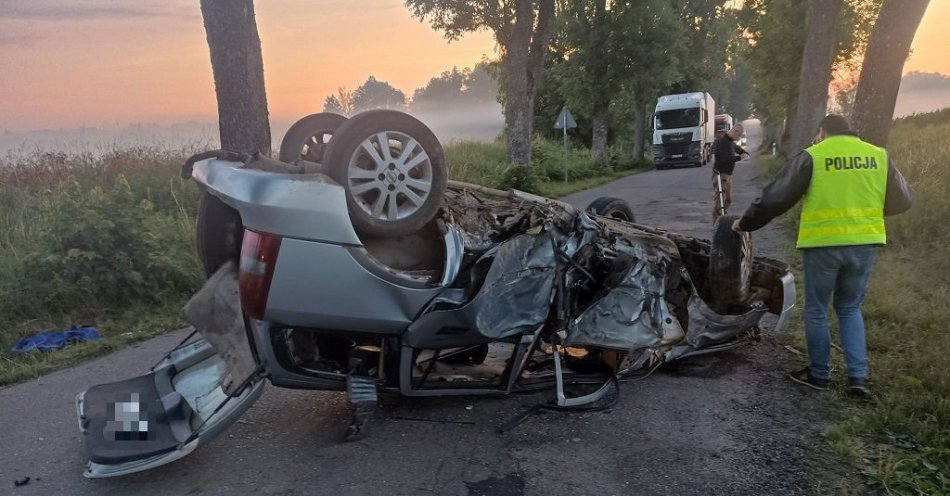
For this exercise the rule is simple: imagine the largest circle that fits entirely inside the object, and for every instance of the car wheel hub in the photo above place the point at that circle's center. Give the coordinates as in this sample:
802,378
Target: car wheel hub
390,175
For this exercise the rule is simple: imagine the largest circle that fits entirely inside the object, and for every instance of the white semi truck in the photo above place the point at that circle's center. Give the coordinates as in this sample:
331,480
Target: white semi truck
683,130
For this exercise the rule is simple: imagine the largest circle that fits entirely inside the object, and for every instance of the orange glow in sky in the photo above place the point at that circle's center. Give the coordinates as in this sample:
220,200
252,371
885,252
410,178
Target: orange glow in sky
931,49
102,63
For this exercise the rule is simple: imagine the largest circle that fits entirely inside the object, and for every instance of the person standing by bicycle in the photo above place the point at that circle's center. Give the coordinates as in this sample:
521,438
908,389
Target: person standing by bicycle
727,153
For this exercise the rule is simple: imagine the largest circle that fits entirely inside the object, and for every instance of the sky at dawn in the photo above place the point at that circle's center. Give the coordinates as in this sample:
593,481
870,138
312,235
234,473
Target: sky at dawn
101,63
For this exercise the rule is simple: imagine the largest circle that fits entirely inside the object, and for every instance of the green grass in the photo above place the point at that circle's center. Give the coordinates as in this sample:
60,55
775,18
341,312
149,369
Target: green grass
120,328
484,163
101,240
108,239
555,189
900,441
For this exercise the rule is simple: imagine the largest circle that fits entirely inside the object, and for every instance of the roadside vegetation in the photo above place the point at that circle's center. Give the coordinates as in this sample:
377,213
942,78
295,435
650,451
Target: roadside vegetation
107,239
900,440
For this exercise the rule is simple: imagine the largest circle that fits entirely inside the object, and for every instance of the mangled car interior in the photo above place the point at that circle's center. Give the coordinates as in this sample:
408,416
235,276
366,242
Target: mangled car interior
352,263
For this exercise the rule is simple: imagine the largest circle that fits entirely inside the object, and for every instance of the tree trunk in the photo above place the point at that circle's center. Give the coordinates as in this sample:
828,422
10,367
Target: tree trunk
817,59
883,66
639,131
517,111
598,72
791,111
238,75
598,146
524,50
540,39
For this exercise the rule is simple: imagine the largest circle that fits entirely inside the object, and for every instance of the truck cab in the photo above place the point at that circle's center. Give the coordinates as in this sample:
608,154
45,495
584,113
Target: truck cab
683,130
724,122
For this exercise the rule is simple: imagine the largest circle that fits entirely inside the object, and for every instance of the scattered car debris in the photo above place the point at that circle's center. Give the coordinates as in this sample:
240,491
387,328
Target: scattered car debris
436,421
53,340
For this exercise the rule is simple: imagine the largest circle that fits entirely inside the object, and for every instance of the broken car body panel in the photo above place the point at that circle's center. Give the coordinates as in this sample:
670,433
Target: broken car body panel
276,203
154,419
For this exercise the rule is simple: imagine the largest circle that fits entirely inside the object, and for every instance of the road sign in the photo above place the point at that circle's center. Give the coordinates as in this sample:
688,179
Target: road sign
565,120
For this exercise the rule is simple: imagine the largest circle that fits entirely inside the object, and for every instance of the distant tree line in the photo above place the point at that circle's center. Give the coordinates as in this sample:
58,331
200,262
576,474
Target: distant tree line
454,89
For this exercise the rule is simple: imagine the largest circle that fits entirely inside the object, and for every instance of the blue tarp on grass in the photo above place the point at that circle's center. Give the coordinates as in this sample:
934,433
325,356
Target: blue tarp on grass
46,341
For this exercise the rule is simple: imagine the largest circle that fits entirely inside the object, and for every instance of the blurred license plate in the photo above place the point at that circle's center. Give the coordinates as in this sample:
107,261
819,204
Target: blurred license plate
679,155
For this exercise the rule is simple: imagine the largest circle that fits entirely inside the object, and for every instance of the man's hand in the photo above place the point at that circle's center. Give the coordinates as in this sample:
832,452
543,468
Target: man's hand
735,226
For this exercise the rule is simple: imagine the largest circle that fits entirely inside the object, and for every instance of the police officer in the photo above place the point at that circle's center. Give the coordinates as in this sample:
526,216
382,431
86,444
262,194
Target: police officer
727,153
848,187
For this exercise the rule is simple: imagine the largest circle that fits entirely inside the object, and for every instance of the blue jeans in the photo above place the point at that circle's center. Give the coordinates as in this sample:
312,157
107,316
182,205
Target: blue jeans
842,271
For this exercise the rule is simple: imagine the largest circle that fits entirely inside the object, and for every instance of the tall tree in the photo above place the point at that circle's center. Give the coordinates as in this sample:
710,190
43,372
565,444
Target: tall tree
458,89
481,85
613,59
777,42
656,44
238,69
522,30
740,88
599,71
376,94
444,89
855,22
586,79
815,74
341,103
710,27
881,73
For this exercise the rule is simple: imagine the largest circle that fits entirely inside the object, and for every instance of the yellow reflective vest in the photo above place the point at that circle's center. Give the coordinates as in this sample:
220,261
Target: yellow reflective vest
844,204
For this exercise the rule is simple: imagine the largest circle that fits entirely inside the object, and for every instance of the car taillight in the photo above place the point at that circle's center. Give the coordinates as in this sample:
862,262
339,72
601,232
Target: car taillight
258,257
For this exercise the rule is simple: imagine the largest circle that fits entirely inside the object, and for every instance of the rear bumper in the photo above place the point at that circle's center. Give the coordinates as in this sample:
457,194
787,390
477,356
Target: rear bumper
151,420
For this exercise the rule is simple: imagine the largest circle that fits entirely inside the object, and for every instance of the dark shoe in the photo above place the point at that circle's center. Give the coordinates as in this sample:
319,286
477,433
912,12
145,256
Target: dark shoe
804,377
858,387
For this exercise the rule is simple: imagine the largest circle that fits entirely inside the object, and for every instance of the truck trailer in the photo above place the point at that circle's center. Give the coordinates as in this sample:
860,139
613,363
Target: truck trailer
724,123
683,130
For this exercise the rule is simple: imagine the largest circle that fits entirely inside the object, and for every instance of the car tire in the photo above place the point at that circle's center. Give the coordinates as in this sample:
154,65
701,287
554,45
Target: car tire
387,194
730,264
218,233
614,208
308,138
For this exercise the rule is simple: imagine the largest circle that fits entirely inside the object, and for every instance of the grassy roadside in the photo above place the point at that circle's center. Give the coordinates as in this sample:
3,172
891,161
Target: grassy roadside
900,441
484,163
107,239
104,240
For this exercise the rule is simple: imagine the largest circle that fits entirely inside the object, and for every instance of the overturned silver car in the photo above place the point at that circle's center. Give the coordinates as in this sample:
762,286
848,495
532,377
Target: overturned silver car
331,269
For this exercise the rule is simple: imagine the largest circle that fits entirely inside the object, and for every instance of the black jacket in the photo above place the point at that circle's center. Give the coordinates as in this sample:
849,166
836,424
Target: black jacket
725,150
791,184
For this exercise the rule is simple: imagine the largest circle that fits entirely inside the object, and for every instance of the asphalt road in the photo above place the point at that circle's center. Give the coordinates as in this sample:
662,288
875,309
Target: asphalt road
720,424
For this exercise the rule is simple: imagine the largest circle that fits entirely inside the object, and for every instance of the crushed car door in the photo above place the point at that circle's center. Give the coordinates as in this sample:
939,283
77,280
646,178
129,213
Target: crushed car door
198,389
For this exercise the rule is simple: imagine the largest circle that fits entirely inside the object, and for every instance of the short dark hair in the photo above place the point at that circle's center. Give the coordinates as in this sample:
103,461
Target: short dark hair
834,124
